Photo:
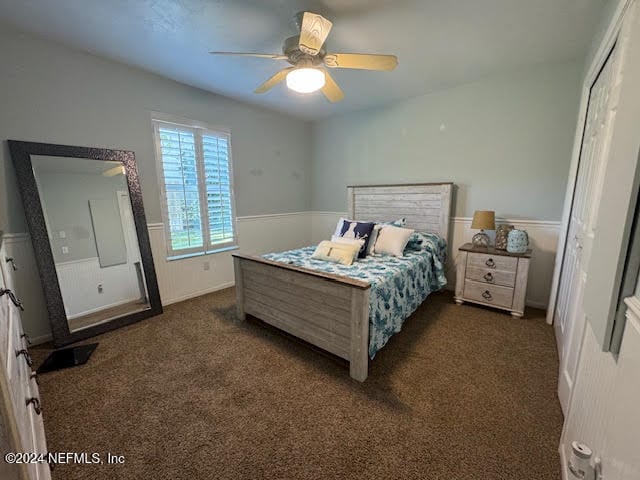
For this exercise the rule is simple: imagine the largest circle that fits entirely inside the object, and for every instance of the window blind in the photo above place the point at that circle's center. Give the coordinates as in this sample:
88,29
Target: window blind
197,188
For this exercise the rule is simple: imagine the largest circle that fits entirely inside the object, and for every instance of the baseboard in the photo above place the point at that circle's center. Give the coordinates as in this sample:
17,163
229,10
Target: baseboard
199,293
100,308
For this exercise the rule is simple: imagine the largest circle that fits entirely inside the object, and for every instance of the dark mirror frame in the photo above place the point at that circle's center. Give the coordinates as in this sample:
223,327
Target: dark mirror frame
21,155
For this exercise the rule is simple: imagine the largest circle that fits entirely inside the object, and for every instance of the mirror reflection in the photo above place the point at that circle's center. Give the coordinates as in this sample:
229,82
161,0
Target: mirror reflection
93,237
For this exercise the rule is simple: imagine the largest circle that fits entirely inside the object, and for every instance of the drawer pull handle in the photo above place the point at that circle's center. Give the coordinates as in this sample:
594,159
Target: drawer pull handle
490,263
487,295
12,262
27,339
27,357
488,277
34,375
35,401
12,297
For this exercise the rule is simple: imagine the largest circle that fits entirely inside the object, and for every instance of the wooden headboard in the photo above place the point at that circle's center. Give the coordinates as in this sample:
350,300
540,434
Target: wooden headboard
426,206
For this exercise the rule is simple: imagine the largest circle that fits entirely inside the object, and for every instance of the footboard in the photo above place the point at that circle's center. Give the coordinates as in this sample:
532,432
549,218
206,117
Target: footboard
328,311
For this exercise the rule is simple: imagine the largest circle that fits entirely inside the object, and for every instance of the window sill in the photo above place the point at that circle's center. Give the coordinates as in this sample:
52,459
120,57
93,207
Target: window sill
202,254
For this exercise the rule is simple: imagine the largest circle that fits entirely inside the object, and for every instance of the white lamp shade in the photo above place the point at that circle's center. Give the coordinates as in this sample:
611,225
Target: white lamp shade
305,80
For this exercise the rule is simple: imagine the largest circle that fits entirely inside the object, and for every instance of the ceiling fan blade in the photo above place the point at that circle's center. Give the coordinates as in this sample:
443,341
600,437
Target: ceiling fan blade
273,56
362,61
273,81
331,89
313,32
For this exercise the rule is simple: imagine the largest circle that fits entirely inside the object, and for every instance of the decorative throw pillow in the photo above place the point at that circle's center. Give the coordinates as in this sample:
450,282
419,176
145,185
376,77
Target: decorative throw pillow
392,240
373,238
349,241
396,223
338,229
354,230
335,252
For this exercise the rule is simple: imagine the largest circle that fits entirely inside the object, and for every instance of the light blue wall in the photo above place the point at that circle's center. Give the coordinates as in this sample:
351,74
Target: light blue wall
49,93
505,141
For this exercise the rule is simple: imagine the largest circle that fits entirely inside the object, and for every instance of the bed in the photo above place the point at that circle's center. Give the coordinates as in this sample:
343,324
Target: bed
335,307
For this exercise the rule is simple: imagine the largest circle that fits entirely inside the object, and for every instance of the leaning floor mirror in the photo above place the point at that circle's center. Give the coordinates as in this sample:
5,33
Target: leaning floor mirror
87,223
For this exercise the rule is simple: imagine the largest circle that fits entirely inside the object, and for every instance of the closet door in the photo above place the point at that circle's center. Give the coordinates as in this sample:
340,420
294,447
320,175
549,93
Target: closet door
569,317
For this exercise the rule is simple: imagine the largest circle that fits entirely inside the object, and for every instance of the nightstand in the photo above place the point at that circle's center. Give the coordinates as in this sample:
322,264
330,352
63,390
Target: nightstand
491,277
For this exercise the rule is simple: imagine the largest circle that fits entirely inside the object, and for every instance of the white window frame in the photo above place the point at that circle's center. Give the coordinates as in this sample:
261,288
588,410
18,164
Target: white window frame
198,129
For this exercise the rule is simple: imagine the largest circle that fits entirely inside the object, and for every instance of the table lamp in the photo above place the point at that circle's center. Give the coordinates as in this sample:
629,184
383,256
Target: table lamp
483,220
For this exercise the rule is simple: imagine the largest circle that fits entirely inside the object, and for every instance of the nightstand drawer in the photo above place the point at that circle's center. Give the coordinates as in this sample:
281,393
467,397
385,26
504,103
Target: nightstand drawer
497,262
489,294
494,277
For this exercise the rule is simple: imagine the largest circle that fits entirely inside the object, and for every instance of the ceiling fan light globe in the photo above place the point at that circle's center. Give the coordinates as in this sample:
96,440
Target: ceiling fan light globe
305,80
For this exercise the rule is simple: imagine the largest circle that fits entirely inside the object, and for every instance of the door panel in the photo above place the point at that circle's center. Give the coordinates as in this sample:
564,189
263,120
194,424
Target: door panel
569,318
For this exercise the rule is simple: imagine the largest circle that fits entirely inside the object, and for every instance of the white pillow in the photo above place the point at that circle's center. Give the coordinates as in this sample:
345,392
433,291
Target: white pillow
392,240
349,241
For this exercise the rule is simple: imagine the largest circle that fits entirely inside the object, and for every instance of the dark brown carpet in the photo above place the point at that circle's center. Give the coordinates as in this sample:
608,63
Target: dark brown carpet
461,393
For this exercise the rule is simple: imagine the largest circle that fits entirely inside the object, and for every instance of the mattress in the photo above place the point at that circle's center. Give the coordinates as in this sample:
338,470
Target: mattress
398,284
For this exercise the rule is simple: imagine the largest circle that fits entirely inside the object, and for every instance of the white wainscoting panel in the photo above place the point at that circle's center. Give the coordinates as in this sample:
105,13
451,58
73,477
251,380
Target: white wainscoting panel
177,279
543,237
604,412
323,224
79,280
188,277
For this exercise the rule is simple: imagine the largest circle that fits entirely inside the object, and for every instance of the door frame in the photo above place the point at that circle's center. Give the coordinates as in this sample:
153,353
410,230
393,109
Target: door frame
592,72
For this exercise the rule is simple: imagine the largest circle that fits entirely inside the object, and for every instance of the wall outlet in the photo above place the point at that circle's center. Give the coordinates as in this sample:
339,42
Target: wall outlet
206,266
63,234
100,289
65,250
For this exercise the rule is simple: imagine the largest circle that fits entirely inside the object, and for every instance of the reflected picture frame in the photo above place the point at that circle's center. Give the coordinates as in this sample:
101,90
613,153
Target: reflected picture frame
21,153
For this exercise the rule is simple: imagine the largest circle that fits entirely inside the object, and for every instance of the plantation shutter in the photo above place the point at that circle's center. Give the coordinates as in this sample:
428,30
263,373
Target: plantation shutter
197,188
215,150
181,189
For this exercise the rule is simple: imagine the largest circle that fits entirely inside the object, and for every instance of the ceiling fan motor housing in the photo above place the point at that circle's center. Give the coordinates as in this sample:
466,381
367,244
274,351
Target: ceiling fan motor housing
295,56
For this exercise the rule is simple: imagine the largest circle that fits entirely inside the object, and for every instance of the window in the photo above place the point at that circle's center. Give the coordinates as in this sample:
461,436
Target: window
197,187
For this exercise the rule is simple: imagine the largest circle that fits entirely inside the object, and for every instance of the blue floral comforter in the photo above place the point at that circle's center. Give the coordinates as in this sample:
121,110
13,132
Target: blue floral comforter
398,284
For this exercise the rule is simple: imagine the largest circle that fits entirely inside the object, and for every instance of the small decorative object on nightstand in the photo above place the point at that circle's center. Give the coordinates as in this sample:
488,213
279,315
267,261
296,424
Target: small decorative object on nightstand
482,220
491,277
502,232
517,241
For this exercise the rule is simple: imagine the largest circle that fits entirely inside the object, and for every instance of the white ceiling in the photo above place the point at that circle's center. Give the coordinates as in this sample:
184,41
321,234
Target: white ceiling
439,43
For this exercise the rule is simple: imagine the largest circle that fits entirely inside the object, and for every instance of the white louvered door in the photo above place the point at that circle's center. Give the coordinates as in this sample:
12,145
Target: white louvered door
569,317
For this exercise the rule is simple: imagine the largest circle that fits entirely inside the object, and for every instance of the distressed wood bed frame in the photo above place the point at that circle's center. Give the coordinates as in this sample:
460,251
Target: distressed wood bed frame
332,311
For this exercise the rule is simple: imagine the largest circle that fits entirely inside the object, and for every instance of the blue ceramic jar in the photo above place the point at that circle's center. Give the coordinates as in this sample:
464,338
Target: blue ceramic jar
517,241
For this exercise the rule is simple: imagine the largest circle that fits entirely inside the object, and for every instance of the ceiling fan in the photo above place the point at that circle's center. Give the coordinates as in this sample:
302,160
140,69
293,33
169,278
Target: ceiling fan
308,57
